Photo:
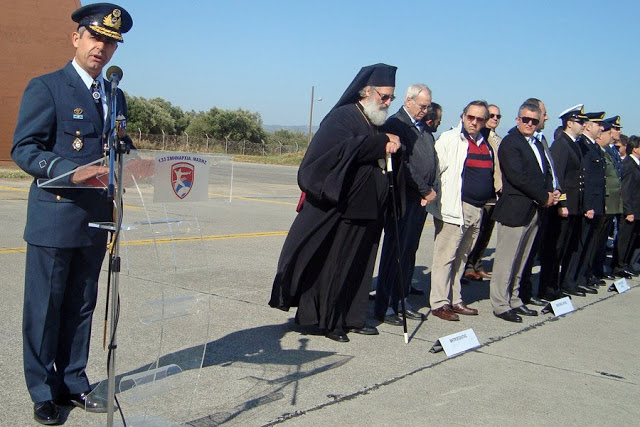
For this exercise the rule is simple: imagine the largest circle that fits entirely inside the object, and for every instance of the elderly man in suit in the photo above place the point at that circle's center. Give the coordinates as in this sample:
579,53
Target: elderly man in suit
419,159
60,128
527,186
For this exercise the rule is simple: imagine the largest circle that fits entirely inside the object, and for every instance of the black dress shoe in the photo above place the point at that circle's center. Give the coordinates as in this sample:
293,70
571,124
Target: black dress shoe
623,274
538,302
337,335
509,316
574,291
86,401
588,289
594,281
525,311
608,276
392,319
46,413
632,272
412,314
365,330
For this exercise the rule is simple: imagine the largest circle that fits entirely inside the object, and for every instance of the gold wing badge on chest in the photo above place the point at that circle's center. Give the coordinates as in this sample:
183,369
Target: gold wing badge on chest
77,143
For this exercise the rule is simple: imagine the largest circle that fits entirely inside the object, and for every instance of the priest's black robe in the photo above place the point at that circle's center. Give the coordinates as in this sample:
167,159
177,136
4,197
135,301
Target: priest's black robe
326,264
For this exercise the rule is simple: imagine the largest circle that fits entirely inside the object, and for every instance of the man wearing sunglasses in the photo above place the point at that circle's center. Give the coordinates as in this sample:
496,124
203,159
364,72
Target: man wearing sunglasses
560,258
474,269
527,186
419,158
465,175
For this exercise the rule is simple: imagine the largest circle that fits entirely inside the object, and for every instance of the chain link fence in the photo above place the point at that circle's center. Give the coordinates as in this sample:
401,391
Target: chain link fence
197,144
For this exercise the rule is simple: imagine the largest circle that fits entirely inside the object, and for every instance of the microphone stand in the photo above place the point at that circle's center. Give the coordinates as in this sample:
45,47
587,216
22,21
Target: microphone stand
115,149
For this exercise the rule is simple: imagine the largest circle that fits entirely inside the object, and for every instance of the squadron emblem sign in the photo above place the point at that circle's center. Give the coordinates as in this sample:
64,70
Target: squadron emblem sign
182,178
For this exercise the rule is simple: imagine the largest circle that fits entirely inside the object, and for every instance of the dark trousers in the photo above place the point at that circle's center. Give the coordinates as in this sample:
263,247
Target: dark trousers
61,287
627,242
560,255
600,255
409,229
474,262
591,229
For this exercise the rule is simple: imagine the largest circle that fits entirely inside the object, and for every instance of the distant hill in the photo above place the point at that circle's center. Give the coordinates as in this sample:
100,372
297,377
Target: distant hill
300,128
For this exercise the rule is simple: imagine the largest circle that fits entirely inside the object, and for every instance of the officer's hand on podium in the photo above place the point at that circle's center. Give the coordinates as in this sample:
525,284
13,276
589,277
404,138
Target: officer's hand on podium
86,175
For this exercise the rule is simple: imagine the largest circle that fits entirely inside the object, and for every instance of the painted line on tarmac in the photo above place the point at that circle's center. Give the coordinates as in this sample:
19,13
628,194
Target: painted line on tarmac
22,190
142,242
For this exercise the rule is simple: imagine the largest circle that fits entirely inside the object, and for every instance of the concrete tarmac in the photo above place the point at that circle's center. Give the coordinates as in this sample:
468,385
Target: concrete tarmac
217,354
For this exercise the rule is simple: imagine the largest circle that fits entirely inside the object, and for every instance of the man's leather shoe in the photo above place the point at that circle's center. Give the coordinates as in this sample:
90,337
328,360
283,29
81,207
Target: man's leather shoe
525,311
509,316
588,289
483,274
612,288
445,313
414,291
337,335
574,291
538,302
632,272
391,319
462,308
46,413
412,314
594,281
472,275
623,274
608,276
365,330
86,401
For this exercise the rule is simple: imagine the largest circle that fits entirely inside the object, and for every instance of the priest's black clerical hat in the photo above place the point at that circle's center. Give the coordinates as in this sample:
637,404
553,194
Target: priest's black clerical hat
371,75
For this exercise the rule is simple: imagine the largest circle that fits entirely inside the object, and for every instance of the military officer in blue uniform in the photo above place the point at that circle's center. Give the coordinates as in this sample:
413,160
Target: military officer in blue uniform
60,127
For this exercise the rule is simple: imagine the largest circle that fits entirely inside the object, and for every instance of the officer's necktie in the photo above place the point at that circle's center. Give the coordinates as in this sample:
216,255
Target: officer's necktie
95,92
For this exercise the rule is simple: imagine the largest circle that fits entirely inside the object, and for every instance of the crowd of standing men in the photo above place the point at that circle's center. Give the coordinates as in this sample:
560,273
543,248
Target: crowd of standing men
553,203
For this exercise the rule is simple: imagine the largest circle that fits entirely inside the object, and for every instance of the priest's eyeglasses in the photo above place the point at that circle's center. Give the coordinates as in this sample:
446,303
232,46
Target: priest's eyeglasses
385,97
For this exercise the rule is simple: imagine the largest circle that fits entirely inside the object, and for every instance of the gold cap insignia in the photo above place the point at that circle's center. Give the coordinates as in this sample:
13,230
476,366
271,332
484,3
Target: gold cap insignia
77,111
113,19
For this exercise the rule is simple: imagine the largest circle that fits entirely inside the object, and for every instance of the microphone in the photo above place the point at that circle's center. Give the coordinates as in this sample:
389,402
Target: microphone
114,74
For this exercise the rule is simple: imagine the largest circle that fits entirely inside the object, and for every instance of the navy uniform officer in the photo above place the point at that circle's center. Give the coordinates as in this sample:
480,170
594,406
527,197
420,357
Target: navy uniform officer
59,128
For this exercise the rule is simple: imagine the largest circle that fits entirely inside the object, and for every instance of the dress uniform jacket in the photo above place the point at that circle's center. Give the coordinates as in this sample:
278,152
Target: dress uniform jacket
57,110
594,176
567,162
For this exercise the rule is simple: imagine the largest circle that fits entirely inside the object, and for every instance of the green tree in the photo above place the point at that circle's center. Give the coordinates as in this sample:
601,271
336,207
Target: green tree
149,117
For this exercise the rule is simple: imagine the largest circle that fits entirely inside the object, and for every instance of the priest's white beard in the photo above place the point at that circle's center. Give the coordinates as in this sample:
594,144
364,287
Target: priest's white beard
377,113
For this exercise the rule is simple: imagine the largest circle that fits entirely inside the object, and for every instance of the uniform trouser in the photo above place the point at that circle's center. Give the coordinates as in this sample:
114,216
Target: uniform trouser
61,287
450,250
409,231
600,254
591,229
512,249
474,263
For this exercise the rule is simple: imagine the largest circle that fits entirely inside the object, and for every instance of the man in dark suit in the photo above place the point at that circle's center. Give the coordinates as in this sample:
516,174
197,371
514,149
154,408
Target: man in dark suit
419,158
527,185
559,244
629,232
59,129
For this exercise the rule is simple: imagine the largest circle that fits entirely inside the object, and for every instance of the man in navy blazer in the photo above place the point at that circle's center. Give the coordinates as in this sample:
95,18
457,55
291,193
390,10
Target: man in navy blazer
60,128
527,185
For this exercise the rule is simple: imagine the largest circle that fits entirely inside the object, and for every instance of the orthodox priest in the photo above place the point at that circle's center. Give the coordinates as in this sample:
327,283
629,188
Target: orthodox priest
326,264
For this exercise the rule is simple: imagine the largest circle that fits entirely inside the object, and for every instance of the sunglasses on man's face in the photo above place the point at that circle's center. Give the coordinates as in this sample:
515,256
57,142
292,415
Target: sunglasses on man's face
385,97
526,120
474,118
495,116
